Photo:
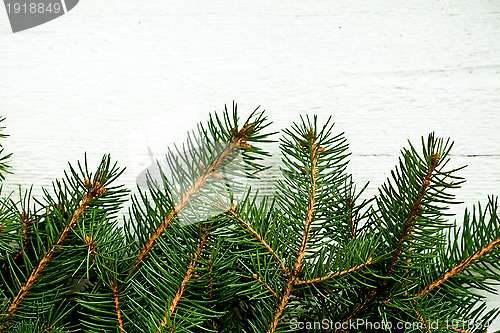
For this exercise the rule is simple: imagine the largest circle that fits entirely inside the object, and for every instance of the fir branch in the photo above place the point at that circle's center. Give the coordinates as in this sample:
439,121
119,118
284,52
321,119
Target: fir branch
456,269
4,158
292,279
210,280
265,285
310,205
421,318
237,140
91,245
255,266
333,275
187,277
408,225
26,224
104,298
350,206
288,290
13,229
371,295
114,286
211,289
247,226
93,189
408,260
368,298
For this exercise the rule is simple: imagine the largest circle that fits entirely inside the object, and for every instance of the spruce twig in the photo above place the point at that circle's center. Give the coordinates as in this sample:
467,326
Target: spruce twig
304,254
292,279
408,224
209,171
458,268
187,277
94,189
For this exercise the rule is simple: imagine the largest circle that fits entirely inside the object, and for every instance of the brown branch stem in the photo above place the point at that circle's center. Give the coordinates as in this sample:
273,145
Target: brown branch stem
27,224
408,225
117,305
265,285
333,275
237,141
367,300
281,307
96,189
422,320
351,222
292,278
260,239
187,276
456,269
211,289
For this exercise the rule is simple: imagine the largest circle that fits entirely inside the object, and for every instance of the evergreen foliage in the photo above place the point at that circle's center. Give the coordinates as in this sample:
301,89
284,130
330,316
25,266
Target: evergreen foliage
197,254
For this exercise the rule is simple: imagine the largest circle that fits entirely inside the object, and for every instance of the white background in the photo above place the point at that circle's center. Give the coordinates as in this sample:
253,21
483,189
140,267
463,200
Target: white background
120,76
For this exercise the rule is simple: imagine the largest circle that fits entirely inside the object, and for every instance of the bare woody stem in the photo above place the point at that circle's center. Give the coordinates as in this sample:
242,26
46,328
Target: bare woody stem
409,224
455,270
93,189
292,279
333,275
237,141
187,277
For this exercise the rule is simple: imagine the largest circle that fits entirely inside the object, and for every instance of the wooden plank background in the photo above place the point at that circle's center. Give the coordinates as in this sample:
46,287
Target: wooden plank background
121,76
